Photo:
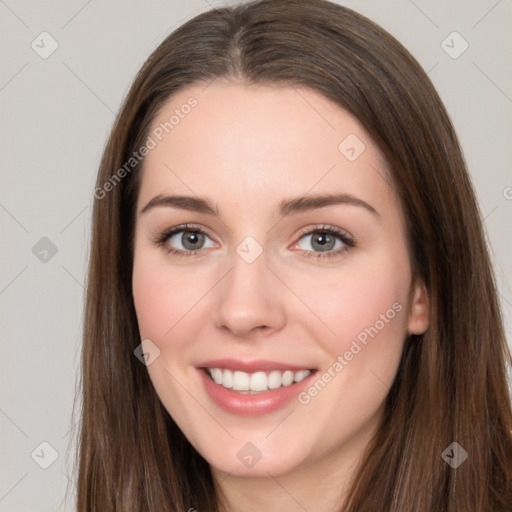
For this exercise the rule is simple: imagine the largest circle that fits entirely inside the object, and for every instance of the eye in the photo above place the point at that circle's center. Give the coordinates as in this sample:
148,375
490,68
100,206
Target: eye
189,239
326,241
183,240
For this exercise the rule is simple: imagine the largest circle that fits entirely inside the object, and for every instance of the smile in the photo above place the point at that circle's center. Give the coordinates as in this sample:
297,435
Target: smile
253,388
255,382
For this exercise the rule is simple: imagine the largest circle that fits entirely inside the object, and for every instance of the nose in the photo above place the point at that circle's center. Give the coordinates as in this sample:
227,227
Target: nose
249,299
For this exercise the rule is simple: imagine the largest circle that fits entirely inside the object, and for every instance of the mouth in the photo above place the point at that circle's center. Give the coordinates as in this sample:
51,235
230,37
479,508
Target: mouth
253,388
257,382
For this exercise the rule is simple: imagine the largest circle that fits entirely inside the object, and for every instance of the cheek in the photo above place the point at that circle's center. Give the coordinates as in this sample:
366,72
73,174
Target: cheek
152,302
162,298
167,305
365,307
360,313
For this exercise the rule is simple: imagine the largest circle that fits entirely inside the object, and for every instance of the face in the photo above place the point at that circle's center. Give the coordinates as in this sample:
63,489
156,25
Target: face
270,252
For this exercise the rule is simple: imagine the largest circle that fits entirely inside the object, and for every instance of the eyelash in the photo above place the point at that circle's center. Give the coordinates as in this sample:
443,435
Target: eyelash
348,241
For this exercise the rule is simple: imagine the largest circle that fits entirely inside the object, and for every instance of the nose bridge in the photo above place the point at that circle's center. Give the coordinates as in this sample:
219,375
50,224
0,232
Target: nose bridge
248,298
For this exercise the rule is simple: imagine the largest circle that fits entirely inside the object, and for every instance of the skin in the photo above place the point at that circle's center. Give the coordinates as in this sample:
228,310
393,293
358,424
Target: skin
247,148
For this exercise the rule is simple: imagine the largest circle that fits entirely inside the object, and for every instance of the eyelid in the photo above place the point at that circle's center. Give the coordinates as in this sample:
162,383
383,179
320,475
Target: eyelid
324,227
167,233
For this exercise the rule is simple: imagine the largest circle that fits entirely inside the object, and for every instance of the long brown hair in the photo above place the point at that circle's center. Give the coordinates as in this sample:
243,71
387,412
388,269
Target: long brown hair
451,384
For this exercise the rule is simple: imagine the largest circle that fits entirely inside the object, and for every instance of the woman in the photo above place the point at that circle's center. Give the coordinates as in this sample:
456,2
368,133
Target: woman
290,301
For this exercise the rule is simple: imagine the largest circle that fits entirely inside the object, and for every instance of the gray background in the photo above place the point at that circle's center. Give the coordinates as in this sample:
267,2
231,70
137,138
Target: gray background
55,116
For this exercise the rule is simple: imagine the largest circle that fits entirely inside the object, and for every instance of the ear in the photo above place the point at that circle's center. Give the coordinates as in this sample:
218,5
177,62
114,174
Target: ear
418,321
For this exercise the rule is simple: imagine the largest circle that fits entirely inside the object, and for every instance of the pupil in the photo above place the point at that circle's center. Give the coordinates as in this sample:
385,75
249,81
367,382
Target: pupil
324,240
190,239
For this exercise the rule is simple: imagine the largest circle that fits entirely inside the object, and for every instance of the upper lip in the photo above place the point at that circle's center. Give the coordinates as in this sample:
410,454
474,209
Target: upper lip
251,366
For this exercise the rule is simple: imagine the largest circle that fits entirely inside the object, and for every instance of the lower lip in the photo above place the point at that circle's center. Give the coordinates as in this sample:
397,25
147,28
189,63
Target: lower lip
256,404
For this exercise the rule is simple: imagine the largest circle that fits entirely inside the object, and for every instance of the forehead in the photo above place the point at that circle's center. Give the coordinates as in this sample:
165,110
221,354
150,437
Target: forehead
259,142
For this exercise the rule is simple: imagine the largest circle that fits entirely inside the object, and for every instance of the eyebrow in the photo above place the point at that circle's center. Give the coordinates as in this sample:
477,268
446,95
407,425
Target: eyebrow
286,207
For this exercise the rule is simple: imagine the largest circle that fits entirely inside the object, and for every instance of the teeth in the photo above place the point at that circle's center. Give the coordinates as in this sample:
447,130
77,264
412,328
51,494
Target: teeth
274,380
288,378
217,375
240,381
259,381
